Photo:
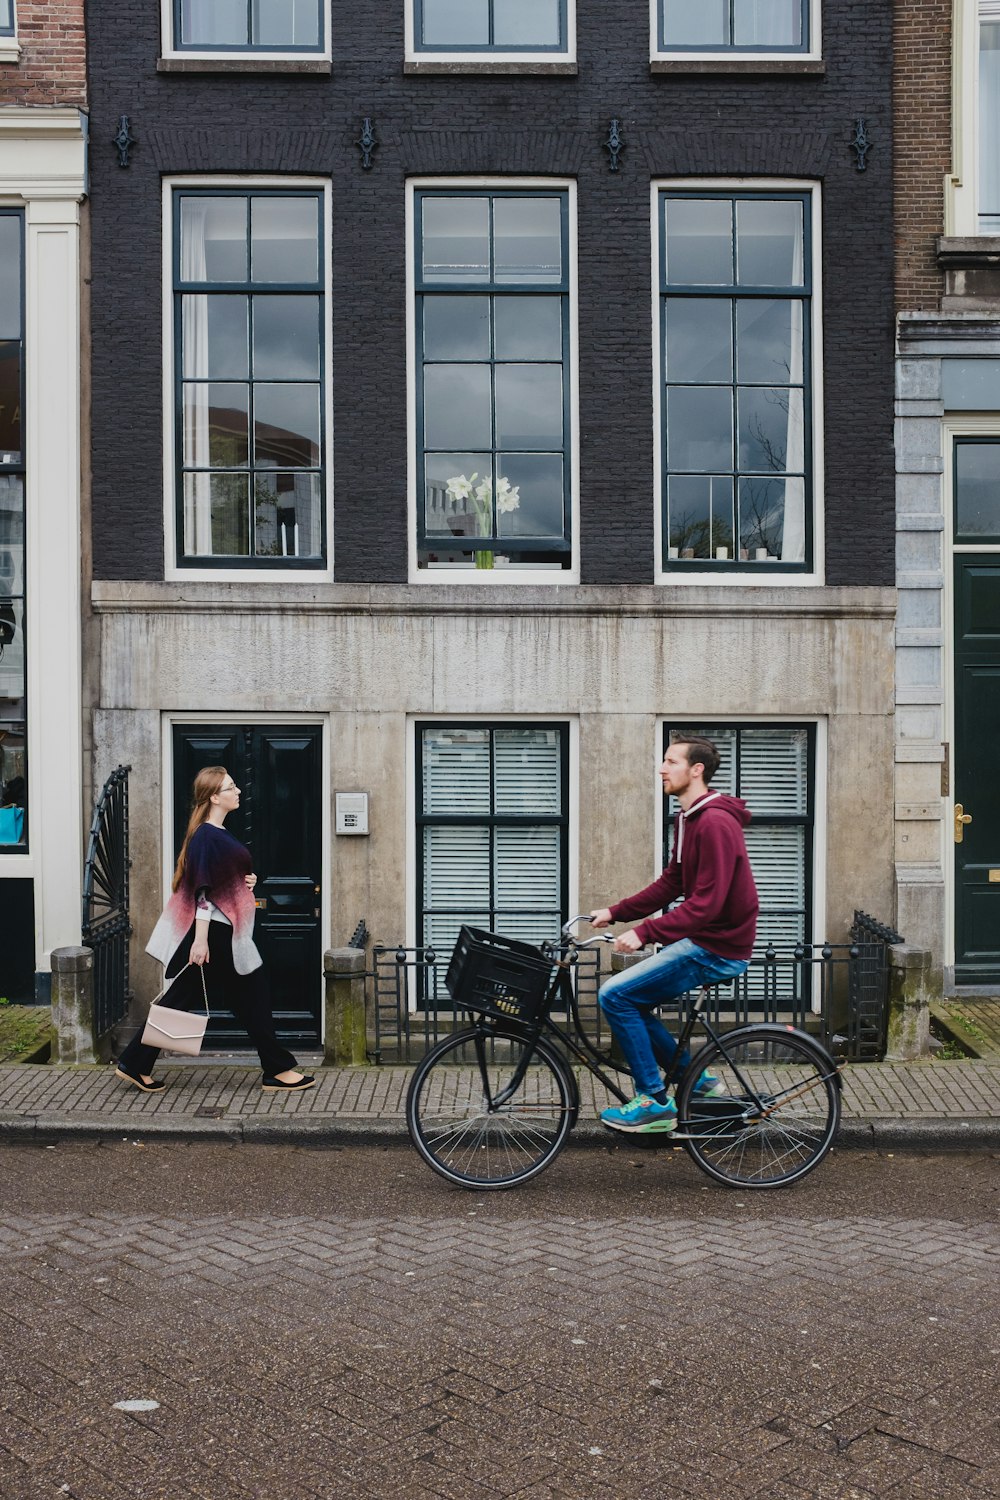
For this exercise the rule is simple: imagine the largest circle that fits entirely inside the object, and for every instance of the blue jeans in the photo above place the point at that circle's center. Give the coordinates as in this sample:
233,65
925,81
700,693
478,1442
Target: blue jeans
629,1001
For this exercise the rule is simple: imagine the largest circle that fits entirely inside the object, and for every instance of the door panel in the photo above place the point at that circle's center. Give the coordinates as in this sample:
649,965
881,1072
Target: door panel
279,771
977,785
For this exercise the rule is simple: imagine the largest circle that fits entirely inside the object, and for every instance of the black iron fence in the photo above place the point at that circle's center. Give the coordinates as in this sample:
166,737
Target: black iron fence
105,923
837,991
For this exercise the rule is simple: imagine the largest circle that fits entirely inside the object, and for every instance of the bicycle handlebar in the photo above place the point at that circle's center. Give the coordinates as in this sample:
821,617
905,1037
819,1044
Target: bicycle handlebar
584,916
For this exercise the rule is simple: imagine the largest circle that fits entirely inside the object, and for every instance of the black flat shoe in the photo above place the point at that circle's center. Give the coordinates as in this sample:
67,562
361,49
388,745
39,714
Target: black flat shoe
156,1087
275,1085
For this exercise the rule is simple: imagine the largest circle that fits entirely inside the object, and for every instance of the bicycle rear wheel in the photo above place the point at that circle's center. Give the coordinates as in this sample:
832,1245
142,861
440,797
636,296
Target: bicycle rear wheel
778,1115
463,1134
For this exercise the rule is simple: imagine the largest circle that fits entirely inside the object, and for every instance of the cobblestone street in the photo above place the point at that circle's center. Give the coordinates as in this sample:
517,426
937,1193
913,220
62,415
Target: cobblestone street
337,1323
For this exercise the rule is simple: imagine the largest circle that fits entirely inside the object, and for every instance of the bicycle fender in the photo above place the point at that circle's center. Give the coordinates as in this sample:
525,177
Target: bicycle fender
777,1029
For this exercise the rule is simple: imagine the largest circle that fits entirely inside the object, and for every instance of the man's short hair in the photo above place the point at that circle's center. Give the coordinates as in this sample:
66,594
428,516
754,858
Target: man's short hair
699,751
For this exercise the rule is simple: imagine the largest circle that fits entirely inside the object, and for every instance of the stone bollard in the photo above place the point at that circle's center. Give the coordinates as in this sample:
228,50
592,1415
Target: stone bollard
910,993
346,1031
73,1006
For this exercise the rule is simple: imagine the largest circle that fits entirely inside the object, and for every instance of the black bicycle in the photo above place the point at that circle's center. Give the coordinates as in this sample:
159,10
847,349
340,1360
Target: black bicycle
492,1105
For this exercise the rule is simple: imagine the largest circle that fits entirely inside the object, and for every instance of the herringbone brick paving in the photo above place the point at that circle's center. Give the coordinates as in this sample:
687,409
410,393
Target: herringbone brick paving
341,1324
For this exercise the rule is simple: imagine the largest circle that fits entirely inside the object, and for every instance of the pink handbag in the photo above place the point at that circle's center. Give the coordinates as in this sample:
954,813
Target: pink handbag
176,1030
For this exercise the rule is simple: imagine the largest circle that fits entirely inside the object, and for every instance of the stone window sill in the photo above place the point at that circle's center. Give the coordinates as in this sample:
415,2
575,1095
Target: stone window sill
10,50
960,251
247,64
745,65
439,65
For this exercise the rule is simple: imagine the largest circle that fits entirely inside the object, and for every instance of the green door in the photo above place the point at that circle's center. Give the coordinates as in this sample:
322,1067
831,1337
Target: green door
279,771
977,778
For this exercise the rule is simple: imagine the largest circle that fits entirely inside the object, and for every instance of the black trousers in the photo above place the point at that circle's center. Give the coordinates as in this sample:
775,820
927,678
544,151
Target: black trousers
246,995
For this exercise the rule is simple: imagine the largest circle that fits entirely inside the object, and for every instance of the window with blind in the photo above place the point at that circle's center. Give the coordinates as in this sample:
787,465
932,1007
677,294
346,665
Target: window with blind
13,655
735,26
771,766
989,117
7,17
492,806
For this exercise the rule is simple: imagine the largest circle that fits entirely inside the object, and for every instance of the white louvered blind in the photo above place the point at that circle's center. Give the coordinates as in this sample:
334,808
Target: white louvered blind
491,872
768,766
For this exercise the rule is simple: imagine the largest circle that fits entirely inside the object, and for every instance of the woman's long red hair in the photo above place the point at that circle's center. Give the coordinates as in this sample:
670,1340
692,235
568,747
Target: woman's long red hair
206,785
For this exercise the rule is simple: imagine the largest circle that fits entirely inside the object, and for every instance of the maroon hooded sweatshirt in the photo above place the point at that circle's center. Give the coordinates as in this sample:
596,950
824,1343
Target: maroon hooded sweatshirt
710,868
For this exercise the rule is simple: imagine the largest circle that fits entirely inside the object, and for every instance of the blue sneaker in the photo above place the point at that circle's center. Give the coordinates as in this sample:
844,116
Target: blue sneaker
642,1114
709,1087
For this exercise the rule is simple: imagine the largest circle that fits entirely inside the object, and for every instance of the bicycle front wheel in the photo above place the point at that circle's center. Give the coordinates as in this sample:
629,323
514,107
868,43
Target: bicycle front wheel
776,1114
466,1130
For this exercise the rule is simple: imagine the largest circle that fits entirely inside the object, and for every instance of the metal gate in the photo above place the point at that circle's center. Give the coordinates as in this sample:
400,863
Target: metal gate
105,921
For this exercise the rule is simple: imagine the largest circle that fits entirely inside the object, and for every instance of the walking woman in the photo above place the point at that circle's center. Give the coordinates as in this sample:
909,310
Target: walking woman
209,920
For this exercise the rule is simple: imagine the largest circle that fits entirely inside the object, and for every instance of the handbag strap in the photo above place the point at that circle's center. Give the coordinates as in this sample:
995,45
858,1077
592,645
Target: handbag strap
167,983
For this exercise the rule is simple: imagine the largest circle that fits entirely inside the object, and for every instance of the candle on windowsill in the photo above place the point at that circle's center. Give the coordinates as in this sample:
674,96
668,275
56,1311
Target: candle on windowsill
721,553
760,554
687,552
743,554
673,552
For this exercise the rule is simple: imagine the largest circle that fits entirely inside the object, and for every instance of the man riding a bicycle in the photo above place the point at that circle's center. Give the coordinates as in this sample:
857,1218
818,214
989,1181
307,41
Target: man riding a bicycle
708,934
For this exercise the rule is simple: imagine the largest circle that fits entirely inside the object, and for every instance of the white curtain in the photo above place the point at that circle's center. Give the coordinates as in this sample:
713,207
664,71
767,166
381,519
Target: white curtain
194,337
793,531
989,118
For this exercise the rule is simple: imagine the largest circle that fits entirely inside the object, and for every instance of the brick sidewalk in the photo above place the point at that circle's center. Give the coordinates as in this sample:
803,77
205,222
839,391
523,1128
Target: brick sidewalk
945,1102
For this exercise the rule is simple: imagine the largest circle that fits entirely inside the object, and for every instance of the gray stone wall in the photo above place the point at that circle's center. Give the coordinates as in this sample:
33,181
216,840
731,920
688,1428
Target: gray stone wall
370,660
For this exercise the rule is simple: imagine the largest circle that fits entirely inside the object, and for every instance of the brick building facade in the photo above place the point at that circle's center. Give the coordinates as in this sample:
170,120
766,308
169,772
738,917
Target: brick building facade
43,136
562,643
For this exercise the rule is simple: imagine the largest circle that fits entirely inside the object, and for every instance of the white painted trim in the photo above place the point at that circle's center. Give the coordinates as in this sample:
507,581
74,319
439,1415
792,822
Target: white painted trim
733,54
412,55
211,716
961,189
173,571
820,802
953,427
10,50
563,720
816,578
238,54
494,577
43,154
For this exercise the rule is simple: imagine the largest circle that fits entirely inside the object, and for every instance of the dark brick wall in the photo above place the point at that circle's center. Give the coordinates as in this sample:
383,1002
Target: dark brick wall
679,125
922,114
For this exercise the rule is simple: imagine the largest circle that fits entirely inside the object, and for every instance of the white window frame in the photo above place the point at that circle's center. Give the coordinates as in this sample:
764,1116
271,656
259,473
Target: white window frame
961,184
246,55
699,576
213,716
424,61
10,47
173,571
483,577
726,55
705,716
570,722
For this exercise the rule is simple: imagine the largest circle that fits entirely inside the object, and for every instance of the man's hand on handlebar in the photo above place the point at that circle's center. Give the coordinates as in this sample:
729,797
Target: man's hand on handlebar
627,942
601,917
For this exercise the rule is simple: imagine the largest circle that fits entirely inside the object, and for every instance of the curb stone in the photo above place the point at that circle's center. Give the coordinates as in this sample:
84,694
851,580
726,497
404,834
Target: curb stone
927,1135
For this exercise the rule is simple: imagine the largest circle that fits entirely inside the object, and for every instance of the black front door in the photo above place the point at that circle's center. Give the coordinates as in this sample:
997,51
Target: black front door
279,771
976,830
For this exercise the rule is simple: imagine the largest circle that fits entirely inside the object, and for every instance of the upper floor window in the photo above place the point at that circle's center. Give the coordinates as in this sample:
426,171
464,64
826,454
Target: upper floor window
989,117
249,361
731,29
492,325
6,17
735,399
13,679
248,25
485,26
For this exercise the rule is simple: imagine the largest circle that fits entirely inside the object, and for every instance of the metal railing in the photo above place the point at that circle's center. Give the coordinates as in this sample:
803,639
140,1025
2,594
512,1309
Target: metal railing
105,923
837,991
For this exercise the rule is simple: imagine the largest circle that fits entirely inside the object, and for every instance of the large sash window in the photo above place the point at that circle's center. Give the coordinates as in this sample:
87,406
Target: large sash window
771,766
13,690
492,825
736,398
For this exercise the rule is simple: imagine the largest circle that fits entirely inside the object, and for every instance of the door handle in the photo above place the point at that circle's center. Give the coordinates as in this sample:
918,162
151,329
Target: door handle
961,819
